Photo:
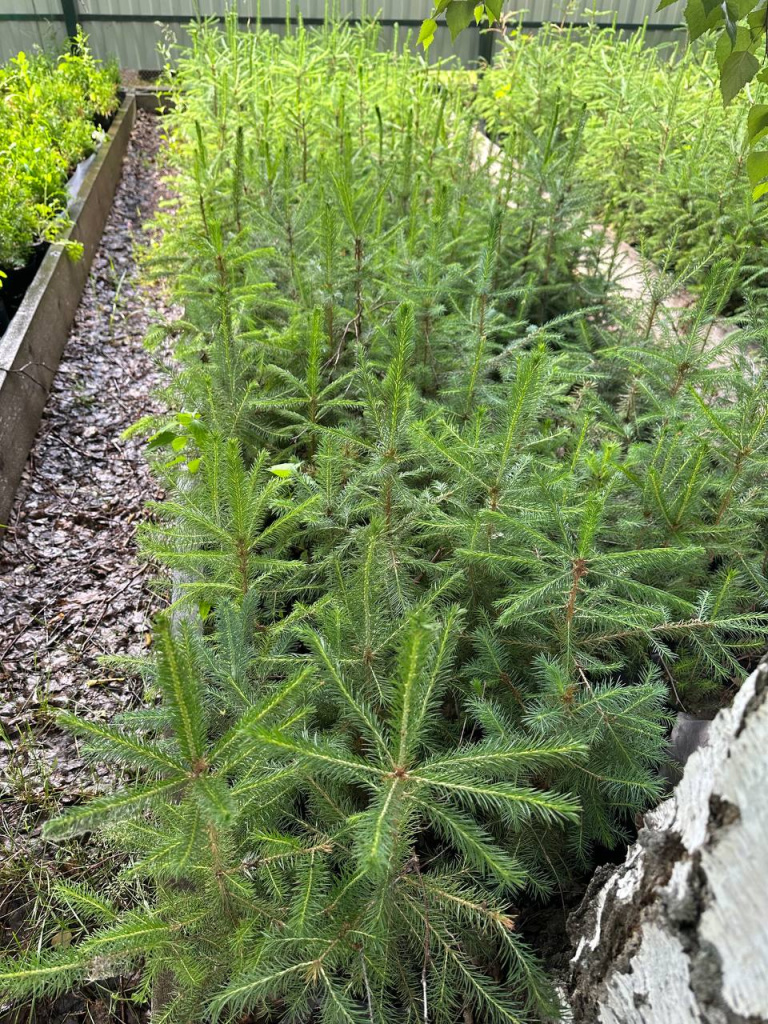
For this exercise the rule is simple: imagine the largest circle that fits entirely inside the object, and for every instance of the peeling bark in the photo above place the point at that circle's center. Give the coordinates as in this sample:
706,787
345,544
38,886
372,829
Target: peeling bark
678,934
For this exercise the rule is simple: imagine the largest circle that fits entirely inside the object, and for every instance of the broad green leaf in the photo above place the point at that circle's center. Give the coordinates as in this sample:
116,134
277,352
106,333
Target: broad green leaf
730,24
733,11
757,122
479,13
162,438
699,18
757,166
284,469
723,49
738,69
427,33
739,9
742,40
494,7
459,15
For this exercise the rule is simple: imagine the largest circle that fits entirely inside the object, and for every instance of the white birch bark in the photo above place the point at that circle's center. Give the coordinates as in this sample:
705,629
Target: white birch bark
678,934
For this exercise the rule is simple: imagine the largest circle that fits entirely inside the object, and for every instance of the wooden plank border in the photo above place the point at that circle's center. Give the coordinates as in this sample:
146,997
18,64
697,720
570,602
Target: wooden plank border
31,348
153,98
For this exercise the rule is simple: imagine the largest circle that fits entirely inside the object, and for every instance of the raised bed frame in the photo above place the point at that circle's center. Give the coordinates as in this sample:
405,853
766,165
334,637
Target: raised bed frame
32,345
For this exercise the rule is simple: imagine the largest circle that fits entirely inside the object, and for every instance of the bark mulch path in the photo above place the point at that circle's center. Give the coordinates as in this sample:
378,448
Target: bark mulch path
71,587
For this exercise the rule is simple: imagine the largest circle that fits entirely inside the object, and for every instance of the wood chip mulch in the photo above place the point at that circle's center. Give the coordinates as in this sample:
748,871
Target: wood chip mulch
71,587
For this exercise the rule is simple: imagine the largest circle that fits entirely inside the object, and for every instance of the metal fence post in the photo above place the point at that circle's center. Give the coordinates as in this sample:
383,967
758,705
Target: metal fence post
71,15
485,41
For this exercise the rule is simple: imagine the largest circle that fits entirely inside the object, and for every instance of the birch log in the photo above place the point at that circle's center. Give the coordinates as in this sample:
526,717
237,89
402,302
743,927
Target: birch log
678,934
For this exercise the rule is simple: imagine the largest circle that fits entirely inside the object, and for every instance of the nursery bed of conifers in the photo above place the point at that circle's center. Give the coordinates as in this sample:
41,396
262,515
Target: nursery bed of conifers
451,529
668,161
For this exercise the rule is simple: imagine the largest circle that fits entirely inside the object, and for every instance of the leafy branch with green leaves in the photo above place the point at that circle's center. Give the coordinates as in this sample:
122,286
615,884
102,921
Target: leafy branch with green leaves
459,14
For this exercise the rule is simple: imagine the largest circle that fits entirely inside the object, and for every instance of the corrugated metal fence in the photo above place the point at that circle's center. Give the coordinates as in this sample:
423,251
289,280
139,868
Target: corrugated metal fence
130,30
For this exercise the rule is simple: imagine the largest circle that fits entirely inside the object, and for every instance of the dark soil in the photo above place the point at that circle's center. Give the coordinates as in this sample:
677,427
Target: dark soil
16,282
71,586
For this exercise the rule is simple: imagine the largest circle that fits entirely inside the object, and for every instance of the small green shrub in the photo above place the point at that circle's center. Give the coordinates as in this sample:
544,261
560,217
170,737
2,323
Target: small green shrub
48,112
